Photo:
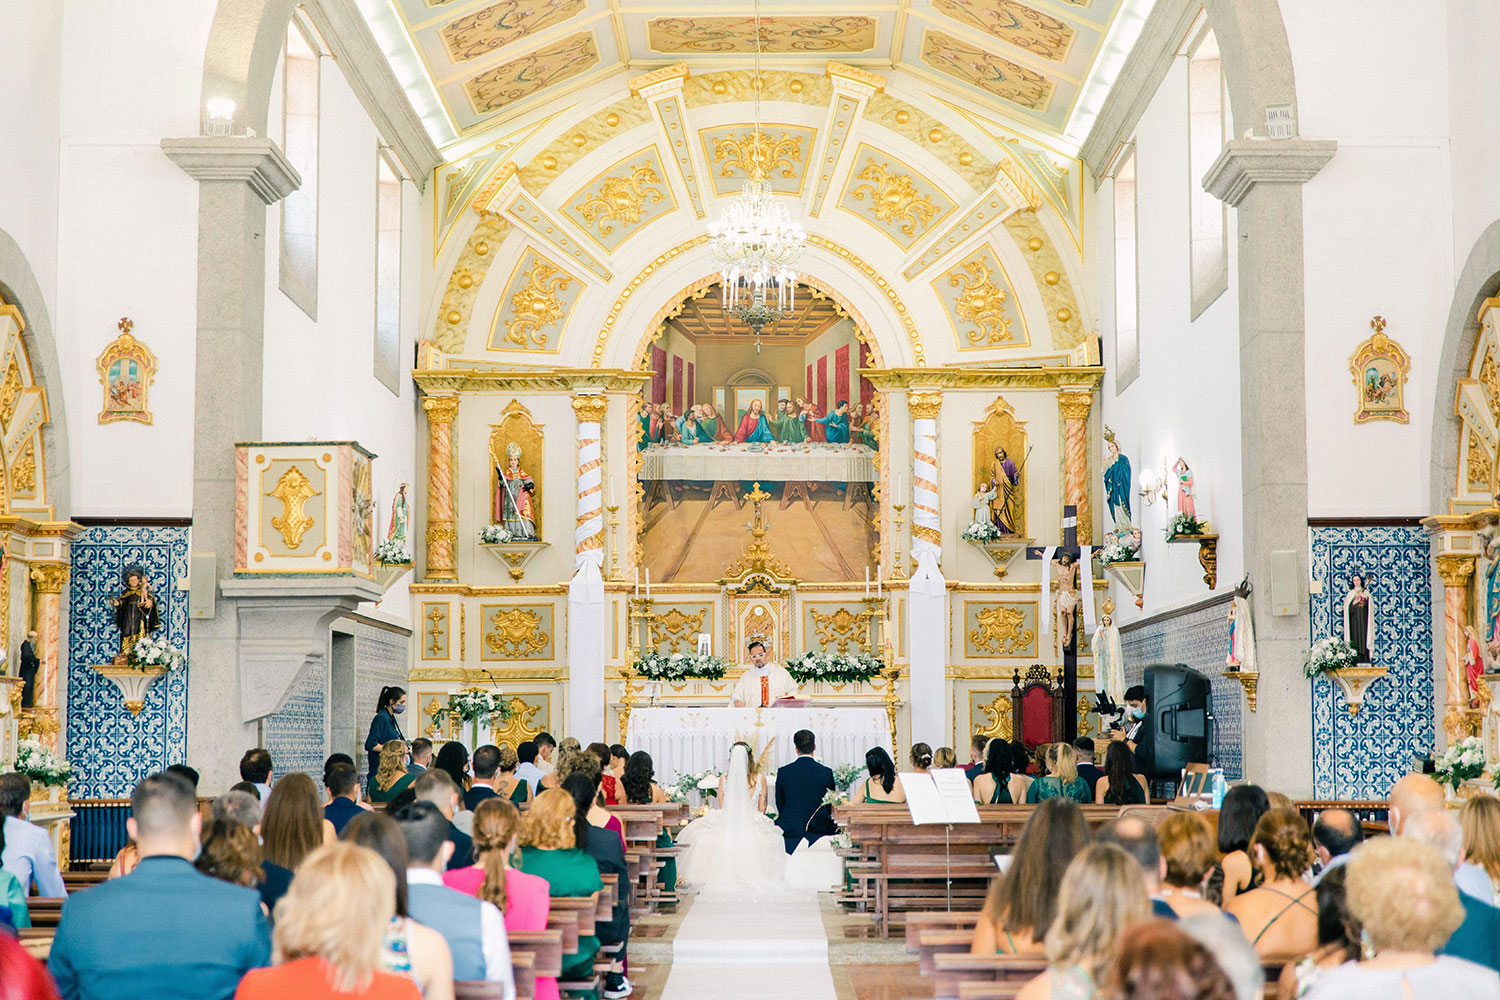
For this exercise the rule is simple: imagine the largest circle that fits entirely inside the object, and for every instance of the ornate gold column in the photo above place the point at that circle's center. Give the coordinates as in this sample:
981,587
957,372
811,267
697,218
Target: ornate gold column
1074,407
49,580
1456,570
441,531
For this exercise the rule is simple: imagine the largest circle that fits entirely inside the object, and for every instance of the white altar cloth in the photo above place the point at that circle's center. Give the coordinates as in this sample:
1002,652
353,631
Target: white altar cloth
687,740
808,462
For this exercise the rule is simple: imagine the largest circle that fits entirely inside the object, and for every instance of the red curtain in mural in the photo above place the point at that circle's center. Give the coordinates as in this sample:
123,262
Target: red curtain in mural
841,374
677,384
866,388
658,375
809,395
691,397
823,385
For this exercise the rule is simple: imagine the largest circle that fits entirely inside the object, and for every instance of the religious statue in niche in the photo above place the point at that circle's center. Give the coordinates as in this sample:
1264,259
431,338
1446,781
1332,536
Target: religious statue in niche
1117,488
1186,493
1005,480
136,613
1477,690
1380,367
1067,601
513,497
125,370
1241,655
1490,534
1359,618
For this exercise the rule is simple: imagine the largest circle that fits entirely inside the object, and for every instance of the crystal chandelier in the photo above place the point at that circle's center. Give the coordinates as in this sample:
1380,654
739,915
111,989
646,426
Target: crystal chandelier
755,242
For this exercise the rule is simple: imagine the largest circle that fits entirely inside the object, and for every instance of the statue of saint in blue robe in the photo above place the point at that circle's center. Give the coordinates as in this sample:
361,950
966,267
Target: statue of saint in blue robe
1117,487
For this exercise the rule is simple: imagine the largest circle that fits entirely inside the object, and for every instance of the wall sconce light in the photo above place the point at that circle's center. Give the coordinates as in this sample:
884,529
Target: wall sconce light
220,116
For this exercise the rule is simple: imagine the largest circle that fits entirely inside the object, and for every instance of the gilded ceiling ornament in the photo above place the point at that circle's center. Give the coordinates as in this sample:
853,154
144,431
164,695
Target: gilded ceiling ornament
621,198
894,197
981,302
536,305
499,24
1480,466
843,33
840,630
1019,25
1001,630
756,154
676,629
1380,367
517,632
995,75
293,490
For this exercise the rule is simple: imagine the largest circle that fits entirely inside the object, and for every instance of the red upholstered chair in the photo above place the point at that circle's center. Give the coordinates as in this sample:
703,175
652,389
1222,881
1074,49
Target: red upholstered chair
1036,706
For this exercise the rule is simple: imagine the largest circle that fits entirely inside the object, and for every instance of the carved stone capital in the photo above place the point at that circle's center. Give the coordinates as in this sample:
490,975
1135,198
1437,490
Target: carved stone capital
49,578
1245,163
440,409
1456,569
1075,405
652,81
925,405
256,162
860,82
590,409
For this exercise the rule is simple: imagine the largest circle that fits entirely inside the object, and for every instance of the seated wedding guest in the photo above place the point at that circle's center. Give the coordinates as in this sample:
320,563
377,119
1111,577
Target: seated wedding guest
1119,786
978,746
944,758
436,787
329,930
549,848
392,777
1419,793
1062,778
1155,960
1478,937
881,784
1336,832
608,852
248,788
996,784
188,774
1187,846
453,760
1022,902
641,790
1242,808
921,758
546,747
486,762
1102,893
335,758
1401,891
608,784
230,853
1279,800
582,762
13,912
507,785
21,976
1280,917
28,853
1338,938
255,767
410,949
1480,818
527,770
343,790
618,758
291,827
189,935
473,928
421,754
1241,965
1083,749
127,857
1136,838
569,743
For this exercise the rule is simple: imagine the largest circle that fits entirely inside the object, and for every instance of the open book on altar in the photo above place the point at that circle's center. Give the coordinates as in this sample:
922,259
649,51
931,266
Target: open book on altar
940,796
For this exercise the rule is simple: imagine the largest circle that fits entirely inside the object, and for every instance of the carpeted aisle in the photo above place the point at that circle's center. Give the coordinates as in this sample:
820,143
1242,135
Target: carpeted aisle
770,946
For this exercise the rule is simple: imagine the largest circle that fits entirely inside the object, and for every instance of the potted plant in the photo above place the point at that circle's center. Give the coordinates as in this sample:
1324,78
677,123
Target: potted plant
494,534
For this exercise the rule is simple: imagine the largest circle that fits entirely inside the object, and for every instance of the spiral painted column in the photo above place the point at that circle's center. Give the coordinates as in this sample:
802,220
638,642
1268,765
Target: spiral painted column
926,525
588,535
1074,407
49,580
1456,571
441,530
927,591
587,615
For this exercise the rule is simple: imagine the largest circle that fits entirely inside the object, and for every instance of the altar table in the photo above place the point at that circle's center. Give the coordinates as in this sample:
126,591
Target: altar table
810,462
687,740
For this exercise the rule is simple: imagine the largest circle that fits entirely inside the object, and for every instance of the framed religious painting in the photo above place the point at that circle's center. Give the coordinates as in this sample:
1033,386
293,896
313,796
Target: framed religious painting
1380,367
125,371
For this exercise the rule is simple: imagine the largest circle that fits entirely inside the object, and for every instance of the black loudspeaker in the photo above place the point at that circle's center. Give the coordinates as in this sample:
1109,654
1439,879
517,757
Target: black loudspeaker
1180,701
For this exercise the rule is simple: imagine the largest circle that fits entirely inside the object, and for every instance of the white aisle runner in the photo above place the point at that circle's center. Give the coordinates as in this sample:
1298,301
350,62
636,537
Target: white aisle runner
769,946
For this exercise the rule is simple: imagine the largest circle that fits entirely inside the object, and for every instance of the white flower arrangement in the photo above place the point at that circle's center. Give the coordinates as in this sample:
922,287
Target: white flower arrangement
1328,655
705,782
841,841
1185,524
844,774
41,765
393,553
494,534
471,705
658,666
1118,551
1460,762
980,531
150,651
834,668
835,797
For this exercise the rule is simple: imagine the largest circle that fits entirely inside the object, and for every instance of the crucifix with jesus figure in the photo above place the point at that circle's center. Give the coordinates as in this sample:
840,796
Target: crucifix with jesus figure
1064,563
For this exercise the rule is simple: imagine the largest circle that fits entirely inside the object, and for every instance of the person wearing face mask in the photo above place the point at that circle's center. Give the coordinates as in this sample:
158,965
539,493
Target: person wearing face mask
1137,732
391,703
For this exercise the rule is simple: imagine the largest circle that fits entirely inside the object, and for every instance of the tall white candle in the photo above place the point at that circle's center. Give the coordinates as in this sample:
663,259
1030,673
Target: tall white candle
900,487
877,580
867,581
648,582
611,491
637,581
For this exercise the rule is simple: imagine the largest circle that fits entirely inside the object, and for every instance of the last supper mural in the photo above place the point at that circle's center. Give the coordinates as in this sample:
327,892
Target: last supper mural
729,407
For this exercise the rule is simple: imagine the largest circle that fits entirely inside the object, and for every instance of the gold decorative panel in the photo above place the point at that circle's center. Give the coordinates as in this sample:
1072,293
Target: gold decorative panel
520,78
836,627
893,197
835,34
782,151
674,628
436,628
485,30
534,307
622,200
1026,28
292,485
303,508
999,629
987,71
979,301
990,714
1481,468
516,632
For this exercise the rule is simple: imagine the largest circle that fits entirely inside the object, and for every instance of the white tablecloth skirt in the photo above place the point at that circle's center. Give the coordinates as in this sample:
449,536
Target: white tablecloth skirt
810,462
684,740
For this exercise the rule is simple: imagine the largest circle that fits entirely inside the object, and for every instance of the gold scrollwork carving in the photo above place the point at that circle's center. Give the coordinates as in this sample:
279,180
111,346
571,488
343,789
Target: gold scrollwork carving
517,632
536,304
23,470
981,302
894,198
10,392
437,630
675,628
1489,380
1001,630
840,629
756,154
621,199
518,728
293,490
925,405
999,712
440,409
1481,467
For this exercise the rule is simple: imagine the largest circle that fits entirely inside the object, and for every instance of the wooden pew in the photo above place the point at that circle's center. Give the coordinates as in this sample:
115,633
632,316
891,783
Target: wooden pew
37,941
45,911
545,948
950,971
916,923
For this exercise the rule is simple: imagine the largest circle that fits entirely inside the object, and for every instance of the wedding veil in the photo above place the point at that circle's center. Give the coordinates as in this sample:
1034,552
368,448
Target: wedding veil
737,784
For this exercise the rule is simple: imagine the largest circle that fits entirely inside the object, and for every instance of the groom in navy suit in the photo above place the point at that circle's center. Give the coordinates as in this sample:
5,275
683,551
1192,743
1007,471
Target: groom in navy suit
800,787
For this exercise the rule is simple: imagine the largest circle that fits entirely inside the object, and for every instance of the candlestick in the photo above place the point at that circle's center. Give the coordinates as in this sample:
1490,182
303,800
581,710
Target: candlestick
614,542
648,582
898,573
611,489
900,489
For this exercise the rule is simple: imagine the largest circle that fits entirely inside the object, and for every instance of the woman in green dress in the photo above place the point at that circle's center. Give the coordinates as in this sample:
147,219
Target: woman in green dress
992,785
1062,777
882,785
518,790
641,790
392,777
549,849
1118,785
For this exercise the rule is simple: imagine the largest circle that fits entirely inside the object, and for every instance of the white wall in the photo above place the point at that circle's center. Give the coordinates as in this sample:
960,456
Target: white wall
29,128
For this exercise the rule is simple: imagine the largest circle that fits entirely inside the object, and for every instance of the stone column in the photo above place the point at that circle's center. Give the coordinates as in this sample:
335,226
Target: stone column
1074,407
49,579
1456,571
586,613
927,592
441,530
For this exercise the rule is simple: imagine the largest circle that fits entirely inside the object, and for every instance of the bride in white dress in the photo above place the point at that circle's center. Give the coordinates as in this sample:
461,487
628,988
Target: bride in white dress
736,846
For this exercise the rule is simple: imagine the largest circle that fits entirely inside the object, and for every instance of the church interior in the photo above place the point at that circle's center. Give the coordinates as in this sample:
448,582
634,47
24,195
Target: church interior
983,362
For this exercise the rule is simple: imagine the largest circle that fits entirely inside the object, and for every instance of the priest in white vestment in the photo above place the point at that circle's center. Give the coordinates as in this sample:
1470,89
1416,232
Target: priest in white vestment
762,684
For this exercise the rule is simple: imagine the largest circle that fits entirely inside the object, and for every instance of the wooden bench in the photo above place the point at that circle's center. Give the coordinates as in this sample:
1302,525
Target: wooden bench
37,941
45,911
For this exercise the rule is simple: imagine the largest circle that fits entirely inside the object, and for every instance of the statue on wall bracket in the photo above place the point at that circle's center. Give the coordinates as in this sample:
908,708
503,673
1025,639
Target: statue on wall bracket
513,497
1380,367
516,458
135,610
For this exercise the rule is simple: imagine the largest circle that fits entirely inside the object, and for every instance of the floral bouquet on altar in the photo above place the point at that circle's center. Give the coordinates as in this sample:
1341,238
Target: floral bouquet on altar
494,534
393,552
1460,762
658,666
150,651
1119,551
1186,524
41,765
980,531
1327,655
834,668
468,706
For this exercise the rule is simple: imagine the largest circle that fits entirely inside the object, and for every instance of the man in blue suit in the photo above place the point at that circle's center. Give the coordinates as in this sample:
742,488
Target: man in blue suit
800,787
185,934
